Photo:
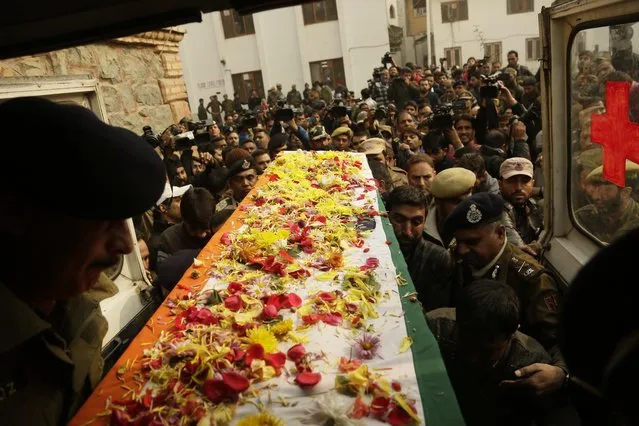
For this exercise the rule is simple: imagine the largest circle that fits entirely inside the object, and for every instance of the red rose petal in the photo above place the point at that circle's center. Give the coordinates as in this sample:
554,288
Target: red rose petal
332,319
326,296
233,303
270,310
214,389
296,353
308,379
255,351
235,381
226,239
399,417
311,319
379,406
235,287
360,409
397,387
286,257
275,360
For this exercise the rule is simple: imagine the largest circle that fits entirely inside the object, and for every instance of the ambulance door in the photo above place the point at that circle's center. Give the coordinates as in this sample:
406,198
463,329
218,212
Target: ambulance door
585,44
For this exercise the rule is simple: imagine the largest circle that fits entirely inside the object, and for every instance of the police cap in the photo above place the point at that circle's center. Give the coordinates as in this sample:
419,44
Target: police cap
116,174
342,130
479,210
373,146
242,165
452,183
632,169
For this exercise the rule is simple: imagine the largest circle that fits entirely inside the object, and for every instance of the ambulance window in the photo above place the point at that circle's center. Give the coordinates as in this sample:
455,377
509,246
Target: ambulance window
599,55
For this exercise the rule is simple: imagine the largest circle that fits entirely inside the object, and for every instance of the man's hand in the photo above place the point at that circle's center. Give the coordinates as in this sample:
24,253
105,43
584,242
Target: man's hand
206,158
404,147
544,379
453,137
519,131
292,124
505,95
530,249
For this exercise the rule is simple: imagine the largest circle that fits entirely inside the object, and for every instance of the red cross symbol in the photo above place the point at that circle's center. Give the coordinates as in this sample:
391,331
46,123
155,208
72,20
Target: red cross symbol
616,133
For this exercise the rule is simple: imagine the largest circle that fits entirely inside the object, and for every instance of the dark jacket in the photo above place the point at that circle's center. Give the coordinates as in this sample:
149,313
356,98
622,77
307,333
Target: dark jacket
481,399
175,239
430,267
399,93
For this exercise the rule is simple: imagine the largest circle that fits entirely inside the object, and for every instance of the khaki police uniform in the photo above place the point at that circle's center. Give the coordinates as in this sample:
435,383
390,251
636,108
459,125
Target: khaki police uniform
399,176
48,366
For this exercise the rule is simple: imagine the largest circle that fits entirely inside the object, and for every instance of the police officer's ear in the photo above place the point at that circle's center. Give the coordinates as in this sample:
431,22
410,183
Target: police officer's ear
500,230
626,193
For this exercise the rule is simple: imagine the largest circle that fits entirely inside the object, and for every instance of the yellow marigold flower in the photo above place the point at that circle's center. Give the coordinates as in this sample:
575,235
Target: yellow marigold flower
282,328
262,419
261,335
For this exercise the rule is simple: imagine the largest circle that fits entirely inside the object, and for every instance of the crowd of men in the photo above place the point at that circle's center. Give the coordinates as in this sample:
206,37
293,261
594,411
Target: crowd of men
456,157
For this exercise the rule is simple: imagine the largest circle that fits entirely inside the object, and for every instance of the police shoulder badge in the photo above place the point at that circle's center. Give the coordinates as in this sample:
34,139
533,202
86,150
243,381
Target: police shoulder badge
246,164
473,215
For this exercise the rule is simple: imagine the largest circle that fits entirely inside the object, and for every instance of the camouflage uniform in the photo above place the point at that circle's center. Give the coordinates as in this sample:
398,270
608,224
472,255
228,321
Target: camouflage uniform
48,367
605,228
523,224
538,293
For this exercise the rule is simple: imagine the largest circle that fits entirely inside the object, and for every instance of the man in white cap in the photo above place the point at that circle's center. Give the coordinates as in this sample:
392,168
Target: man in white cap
522,217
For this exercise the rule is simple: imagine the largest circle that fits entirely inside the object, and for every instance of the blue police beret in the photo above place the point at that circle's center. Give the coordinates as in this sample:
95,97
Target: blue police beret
480,209
79,165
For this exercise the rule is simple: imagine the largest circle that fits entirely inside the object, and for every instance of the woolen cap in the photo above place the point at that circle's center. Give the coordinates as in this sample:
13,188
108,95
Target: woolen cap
516,166
452,183
479,210
114,173
242,165
342,130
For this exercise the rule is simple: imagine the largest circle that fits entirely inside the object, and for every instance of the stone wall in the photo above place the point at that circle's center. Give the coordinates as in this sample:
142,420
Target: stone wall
141,77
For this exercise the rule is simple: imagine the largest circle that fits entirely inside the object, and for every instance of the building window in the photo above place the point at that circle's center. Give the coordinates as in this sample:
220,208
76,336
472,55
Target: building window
533,49
330,71
493,51
319,11
453,56
520,6
244,83
453,11
236,25
391,12
419,8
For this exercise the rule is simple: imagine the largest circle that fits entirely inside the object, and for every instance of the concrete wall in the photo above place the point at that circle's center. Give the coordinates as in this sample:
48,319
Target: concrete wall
489,18
282,48
140,76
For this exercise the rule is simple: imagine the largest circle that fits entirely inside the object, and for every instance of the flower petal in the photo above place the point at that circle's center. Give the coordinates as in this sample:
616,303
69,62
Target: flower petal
296,353
235,381
308,379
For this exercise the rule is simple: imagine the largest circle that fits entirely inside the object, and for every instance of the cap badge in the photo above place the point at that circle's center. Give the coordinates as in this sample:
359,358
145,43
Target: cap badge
473,215
246,164
519,166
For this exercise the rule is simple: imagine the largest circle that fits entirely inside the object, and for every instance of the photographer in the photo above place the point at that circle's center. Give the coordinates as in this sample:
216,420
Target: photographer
402,90
379,90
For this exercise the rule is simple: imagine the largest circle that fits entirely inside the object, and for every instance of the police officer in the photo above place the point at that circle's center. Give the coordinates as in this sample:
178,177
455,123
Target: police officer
481,251
375,150
242,176
448,188
341,138
522,217
55,244
612,211
320,140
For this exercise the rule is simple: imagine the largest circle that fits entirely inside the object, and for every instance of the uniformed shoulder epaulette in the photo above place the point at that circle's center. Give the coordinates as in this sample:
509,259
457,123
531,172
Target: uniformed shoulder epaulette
526,268
507,206
222,205
399,170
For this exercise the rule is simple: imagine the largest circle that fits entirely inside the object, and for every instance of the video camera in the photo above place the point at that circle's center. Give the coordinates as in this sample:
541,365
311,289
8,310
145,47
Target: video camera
387,59
150,137
442,117
490,89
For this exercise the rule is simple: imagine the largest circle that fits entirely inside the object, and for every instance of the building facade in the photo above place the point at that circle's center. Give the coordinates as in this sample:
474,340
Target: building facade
339,41
465,28
137,79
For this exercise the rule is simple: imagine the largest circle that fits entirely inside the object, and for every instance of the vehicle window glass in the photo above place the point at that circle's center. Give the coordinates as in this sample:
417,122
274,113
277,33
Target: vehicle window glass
602,209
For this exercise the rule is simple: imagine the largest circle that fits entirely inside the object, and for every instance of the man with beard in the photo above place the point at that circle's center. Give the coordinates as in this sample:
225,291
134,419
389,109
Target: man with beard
55,246
481,347
421,172
242,175
522,216
194,231
481,251
428,264
612,212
